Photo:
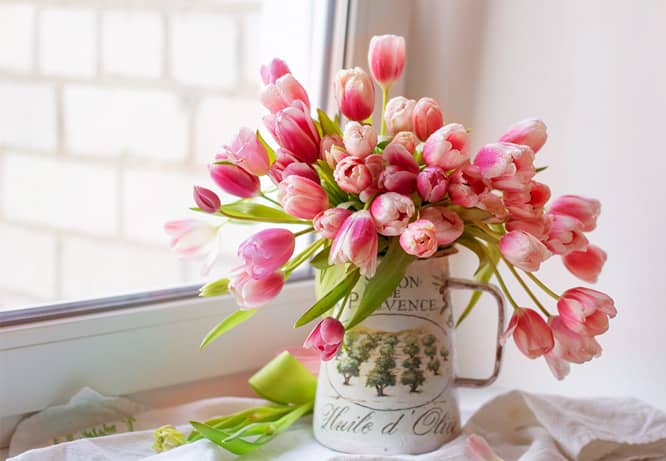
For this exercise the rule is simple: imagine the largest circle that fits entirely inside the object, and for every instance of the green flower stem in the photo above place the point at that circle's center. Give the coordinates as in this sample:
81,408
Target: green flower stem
266,197
342,306
488,230
385,92
543,286
304,231
302,257
481,233
505,289
526,288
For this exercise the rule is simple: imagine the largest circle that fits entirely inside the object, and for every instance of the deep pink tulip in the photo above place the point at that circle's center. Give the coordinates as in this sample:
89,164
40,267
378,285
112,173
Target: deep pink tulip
466,186
426,118
279,95
294,130
530,333
234,180
266,251
329,222
510,167
191,237
586,311
586,264
400,174
360,140
206,199
273,70
539,227
251,293
356,243
398,114
565,235
419,239
355,93
326,338
530,132
331,149
447,147
523,250
585,210
392,212
352,175
302,169
406,139
431,184
448,225
283,158
301,197
396,155
247,152
571,346
386,58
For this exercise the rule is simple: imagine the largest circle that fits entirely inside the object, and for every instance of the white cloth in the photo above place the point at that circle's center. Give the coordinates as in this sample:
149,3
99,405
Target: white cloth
518,425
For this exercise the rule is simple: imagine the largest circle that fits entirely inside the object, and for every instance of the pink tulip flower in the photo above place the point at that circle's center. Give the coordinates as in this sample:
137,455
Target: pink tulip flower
273,70
247,152
329,222
466,186
565,235
530,133
448,225
206,200
406,139
426,118
266,251
396,155
386,58
539,227
356,243
391,212
355,93
301,197
398,114
279,95
234,180
360,140
523,250
527,205
431,184
510,167
191,237
420,239
585,210
294,130
447,147
327,143
376,165
530,333
400,174
251,293
586,264
352,175
302,169
569,345
586,311
477,449
326,338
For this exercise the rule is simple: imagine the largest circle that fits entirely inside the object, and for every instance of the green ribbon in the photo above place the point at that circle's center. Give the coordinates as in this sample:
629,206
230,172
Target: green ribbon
284,380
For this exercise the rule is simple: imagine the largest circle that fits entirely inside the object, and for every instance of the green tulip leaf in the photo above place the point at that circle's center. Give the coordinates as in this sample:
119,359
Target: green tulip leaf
320,260
231,321
328,126
269,149
284,380
218,437
250,211
329,299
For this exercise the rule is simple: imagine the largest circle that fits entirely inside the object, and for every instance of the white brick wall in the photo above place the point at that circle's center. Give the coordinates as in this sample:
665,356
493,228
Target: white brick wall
67,42
16,37
28,115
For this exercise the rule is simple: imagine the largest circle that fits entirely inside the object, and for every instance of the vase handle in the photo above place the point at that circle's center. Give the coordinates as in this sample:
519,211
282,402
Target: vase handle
497,294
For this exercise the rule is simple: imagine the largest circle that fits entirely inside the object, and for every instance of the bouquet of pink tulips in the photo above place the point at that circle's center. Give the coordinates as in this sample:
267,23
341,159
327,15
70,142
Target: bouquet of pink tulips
379,196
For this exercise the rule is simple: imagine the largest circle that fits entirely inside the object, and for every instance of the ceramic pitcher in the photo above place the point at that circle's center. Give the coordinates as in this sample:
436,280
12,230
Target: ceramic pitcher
392,387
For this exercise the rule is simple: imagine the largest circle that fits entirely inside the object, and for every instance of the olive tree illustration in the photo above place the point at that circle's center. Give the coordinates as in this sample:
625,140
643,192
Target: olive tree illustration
444,353
347,364
412,375
381,376
430,349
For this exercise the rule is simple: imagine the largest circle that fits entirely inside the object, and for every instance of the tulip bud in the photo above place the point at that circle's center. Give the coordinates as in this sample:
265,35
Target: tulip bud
406,139
301,197
510,167
302,169
328,142
585,210
398,114
386,58
447,147
251,293
419,239
355,93
279,95
206,199
356,243
426,118
530,333
273,70
448,225
587,264
234,180
530,132
538,226
266,251
523,250
352,175
329,222
167,437
247,152
586,311
392,212
326,338
360,140
565,235
294,130
431,183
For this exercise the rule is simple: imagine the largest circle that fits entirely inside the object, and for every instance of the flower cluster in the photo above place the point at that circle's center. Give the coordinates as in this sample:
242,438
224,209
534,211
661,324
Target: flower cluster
405,189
